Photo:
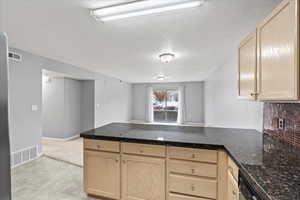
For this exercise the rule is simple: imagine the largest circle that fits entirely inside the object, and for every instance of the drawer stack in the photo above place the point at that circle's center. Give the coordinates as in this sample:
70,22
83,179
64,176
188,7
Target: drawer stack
192,174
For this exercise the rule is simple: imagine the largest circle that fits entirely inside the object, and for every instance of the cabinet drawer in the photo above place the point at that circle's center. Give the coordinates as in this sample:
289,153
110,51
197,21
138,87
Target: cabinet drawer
200,187
193,168
233,169
102,145
183,197
202,155
144,149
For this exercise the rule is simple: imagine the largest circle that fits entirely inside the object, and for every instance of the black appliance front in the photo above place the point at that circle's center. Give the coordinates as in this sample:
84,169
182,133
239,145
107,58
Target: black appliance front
246,190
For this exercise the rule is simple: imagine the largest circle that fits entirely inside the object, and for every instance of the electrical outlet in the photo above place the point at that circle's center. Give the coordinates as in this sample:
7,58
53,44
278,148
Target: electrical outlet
281,123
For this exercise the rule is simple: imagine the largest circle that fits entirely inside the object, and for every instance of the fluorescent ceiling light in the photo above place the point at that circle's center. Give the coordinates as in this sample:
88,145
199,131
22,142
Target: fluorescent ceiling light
140,8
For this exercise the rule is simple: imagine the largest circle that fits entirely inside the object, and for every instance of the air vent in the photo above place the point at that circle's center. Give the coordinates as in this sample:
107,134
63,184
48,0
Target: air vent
25,155
15,56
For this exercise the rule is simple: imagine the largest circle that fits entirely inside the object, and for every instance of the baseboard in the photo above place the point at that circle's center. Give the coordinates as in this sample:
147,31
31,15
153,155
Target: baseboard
24,156
168,124
194,124
62,139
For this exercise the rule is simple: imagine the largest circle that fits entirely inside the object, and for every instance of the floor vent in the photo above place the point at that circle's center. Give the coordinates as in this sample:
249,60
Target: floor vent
15,56
25,155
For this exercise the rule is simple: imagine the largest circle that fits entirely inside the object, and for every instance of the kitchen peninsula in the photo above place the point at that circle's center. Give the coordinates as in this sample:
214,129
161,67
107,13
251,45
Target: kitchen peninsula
136,161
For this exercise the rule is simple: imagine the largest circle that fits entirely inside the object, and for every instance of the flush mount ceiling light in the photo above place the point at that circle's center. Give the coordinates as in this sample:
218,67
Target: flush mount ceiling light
166,57
140,8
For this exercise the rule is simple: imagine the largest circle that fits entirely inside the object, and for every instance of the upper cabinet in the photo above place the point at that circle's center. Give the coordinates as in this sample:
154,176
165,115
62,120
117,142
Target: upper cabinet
247,68
277,74
278,54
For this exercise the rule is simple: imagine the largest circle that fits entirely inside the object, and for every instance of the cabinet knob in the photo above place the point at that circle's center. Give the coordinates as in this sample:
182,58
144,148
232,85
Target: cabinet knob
117,160
193,155
141,151
98,146
124,161
230,169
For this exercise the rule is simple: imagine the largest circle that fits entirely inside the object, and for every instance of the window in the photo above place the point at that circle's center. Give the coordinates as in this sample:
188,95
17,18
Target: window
165,105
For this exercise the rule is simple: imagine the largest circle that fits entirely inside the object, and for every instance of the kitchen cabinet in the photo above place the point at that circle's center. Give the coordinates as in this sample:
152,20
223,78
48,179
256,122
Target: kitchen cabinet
233,169
143,178
102,174
232,180
233,189
273,74
136,171
192,172
278,67
247,68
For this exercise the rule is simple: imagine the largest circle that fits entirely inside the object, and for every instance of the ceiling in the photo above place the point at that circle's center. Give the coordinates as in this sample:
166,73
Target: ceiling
202,38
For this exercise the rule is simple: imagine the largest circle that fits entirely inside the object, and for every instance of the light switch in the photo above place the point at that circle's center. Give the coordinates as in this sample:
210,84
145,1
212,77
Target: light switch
34,107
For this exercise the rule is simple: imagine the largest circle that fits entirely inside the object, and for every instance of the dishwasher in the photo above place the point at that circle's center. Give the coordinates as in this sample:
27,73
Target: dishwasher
245,190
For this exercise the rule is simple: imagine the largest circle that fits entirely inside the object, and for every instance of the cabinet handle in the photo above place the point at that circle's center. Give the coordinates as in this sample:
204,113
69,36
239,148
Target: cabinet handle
141,151
192,187
193,155
230,169
193,171
234,192
254,94
98,146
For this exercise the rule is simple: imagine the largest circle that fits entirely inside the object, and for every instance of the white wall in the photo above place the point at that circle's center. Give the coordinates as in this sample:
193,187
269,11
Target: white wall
88,105
194,98
113,101
222,108
53,108
26,90
61,112
72,110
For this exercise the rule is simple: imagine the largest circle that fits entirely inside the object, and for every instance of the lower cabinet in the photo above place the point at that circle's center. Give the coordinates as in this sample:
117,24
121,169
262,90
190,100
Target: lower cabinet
143,178
102,174
129,171
233,190
232,180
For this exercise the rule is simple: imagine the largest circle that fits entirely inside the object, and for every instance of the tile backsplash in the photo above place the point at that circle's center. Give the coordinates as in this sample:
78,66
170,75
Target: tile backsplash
290,113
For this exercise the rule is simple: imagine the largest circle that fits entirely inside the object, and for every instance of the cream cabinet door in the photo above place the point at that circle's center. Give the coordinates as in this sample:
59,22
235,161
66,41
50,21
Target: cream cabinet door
278,72
143,178
247,68
102,174
233,189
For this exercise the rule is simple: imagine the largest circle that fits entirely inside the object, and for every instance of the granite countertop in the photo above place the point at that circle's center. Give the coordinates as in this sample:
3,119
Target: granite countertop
271,167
